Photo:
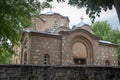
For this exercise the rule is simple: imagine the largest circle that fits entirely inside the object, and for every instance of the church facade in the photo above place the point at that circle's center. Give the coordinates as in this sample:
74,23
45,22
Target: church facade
51,41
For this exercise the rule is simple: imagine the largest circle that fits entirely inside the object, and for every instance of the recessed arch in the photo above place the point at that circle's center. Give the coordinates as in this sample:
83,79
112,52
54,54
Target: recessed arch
79,50
86,44
79,53
56,24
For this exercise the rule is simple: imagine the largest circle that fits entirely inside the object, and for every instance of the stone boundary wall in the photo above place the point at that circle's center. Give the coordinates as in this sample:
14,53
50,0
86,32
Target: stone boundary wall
52,72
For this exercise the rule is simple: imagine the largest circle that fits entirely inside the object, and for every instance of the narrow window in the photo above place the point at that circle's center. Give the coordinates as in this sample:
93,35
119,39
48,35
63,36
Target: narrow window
46,59
55,24
25,58
34,26
107,63
16,61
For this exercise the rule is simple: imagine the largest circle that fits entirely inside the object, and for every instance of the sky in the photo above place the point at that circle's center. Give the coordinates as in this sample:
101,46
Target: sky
75,14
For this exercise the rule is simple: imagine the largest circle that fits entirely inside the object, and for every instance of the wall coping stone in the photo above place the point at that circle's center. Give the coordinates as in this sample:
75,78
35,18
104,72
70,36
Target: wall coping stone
58,66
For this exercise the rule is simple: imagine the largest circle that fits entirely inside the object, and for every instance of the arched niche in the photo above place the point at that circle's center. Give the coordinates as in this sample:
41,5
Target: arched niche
79,53
56,21
23,50
82,50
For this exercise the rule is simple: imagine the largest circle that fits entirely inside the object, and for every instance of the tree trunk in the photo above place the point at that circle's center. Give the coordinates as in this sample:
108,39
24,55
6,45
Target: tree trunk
117,7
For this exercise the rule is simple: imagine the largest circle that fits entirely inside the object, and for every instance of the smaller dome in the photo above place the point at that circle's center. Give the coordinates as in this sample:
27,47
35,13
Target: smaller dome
49,12
80,24
83,26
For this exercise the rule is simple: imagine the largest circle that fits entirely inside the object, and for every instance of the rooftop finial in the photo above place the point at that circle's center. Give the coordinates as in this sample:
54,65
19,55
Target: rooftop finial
81,19
81,23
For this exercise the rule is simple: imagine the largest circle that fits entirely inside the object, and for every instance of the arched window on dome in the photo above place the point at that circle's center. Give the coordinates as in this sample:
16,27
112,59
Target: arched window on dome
56,24
46,59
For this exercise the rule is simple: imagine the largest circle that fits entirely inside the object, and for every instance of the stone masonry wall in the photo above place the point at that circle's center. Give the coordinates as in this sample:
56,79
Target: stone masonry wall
42,72
42,45
106,53
48,22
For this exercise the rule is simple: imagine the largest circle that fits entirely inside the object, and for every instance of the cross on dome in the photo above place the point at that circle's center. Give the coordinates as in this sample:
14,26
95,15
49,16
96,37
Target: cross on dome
81,23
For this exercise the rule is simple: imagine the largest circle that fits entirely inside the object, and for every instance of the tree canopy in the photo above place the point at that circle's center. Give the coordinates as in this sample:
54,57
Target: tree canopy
105,32
102,29
94,7
15,15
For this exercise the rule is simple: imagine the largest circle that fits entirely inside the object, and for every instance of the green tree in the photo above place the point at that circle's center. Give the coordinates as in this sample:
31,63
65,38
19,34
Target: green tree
5,56
15,15
94,7
102,29
105,32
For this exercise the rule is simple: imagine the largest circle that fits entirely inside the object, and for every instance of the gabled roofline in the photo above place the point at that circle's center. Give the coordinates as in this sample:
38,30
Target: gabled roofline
107,43
79,30
36,33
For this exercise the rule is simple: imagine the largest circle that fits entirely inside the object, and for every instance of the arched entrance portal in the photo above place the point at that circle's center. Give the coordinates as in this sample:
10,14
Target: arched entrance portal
82,51
79,53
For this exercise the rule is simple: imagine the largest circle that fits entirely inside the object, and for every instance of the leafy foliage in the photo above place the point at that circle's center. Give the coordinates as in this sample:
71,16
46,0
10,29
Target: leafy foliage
15,15
5,56
94,7
105,32
102,29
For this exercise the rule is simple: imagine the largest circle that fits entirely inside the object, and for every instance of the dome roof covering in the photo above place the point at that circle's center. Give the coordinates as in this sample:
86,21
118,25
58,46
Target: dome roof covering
50,12
84,26
80,24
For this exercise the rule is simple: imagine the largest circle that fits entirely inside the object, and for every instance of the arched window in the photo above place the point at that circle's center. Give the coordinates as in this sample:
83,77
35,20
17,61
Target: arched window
56,24
34,26
107,63
16,61
25,58
46,59
79,53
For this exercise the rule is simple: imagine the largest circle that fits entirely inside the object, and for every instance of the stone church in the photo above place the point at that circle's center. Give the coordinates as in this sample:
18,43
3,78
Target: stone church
51,41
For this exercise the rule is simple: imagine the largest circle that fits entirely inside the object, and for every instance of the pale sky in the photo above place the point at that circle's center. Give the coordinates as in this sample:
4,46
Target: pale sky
75,14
